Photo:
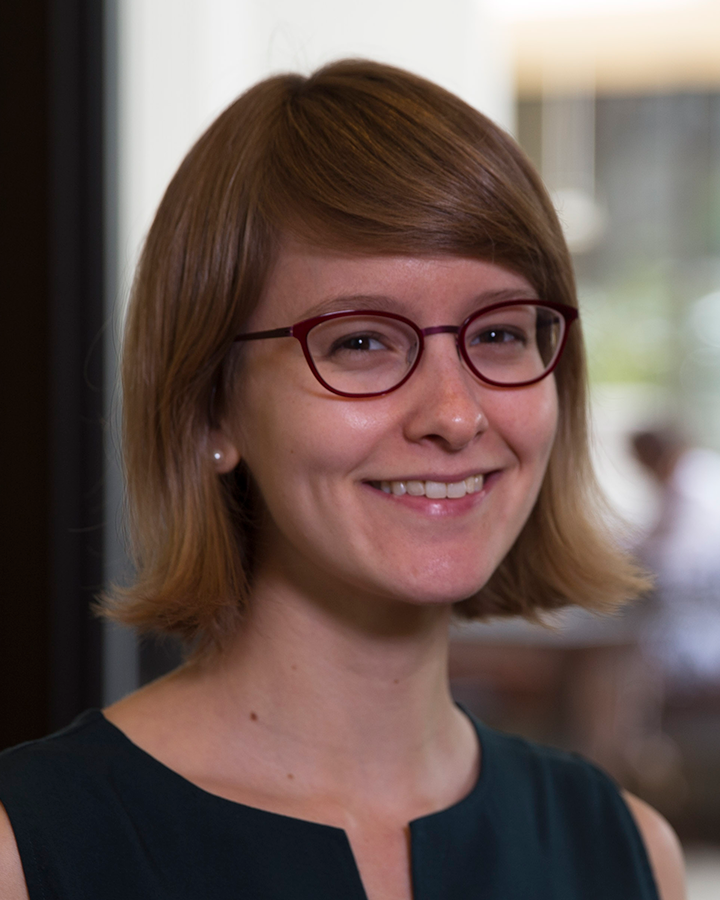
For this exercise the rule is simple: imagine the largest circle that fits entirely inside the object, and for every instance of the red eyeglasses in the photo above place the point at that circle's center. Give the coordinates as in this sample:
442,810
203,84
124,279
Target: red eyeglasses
368,353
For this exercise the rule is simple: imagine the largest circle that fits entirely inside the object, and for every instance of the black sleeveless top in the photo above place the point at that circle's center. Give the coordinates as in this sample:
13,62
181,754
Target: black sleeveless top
96,817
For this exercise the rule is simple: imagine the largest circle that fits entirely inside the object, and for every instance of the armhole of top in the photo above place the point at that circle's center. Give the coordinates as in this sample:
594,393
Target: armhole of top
633,829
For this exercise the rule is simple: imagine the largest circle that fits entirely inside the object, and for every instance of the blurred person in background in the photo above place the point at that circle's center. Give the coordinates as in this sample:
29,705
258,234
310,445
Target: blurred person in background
682,627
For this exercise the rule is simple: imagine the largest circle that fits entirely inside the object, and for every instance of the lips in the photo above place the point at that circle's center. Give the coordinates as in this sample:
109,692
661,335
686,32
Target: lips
433,490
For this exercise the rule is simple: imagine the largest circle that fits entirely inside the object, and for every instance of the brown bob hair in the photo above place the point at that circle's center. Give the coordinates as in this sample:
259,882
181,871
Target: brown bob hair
362,157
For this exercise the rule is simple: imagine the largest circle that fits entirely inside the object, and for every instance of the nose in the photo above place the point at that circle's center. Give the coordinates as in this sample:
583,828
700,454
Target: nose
446,408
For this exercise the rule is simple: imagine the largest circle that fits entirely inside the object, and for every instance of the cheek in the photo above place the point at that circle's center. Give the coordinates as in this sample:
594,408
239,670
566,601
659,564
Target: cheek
530,425
295,440
547,422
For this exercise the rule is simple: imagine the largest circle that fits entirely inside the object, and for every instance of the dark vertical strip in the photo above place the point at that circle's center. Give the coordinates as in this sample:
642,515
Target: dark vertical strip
24,405
76,321
51,302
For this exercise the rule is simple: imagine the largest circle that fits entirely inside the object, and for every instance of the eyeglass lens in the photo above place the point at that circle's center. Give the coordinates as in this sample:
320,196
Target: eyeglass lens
365,354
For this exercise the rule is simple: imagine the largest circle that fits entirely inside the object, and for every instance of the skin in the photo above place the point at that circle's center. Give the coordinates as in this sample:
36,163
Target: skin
332,703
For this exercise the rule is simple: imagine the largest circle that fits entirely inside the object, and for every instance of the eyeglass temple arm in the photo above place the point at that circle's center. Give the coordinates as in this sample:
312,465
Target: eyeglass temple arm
261,335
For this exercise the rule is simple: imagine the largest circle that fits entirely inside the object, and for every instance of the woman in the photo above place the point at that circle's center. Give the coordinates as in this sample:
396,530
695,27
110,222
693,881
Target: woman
354,406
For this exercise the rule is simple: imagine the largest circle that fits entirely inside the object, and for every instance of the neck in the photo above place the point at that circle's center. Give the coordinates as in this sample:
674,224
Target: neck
354,691
350,665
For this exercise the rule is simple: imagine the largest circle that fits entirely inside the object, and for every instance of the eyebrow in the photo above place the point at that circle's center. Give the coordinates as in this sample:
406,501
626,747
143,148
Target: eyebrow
386,303
342,302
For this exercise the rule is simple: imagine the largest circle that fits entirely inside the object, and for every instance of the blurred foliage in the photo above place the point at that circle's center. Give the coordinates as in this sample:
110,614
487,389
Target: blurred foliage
629,328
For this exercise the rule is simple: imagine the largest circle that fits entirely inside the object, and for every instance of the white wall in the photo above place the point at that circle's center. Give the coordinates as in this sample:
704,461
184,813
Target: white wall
182,61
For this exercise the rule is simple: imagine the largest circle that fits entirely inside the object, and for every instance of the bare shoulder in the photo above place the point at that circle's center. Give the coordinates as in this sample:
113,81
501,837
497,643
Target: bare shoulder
663,848
12,880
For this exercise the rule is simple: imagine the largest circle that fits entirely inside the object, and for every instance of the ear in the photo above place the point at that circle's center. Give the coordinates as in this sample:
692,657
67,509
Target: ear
223,451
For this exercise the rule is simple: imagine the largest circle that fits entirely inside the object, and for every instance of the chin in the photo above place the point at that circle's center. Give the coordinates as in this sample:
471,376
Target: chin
439,592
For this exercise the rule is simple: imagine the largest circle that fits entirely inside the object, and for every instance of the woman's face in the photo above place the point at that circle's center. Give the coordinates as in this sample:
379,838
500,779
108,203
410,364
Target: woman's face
320,460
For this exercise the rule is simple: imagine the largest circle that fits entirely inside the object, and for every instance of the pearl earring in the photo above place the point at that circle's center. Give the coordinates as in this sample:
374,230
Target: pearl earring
217,456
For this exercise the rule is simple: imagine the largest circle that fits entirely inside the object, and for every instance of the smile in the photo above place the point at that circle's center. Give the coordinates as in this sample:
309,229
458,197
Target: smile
434,490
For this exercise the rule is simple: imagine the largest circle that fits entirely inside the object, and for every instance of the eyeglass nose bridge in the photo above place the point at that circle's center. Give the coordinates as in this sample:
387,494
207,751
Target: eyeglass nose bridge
441,329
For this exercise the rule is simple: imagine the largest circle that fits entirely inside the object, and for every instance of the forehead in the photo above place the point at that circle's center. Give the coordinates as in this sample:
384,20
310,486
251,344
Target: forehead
307,281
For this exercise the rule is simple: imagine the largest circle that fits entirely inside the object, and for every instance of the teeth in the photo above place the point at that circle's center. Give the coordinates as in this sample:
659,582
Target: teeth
435,490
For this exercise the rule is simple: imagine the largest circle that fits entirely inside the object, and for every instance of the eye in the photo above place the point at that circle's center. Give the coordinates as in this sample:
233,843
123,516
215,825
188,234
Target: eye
498,334
360,342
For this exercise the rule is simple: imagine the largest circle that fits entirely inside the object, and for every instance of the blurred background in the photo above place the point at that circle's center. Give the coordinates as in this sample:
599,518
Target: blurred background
618,105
